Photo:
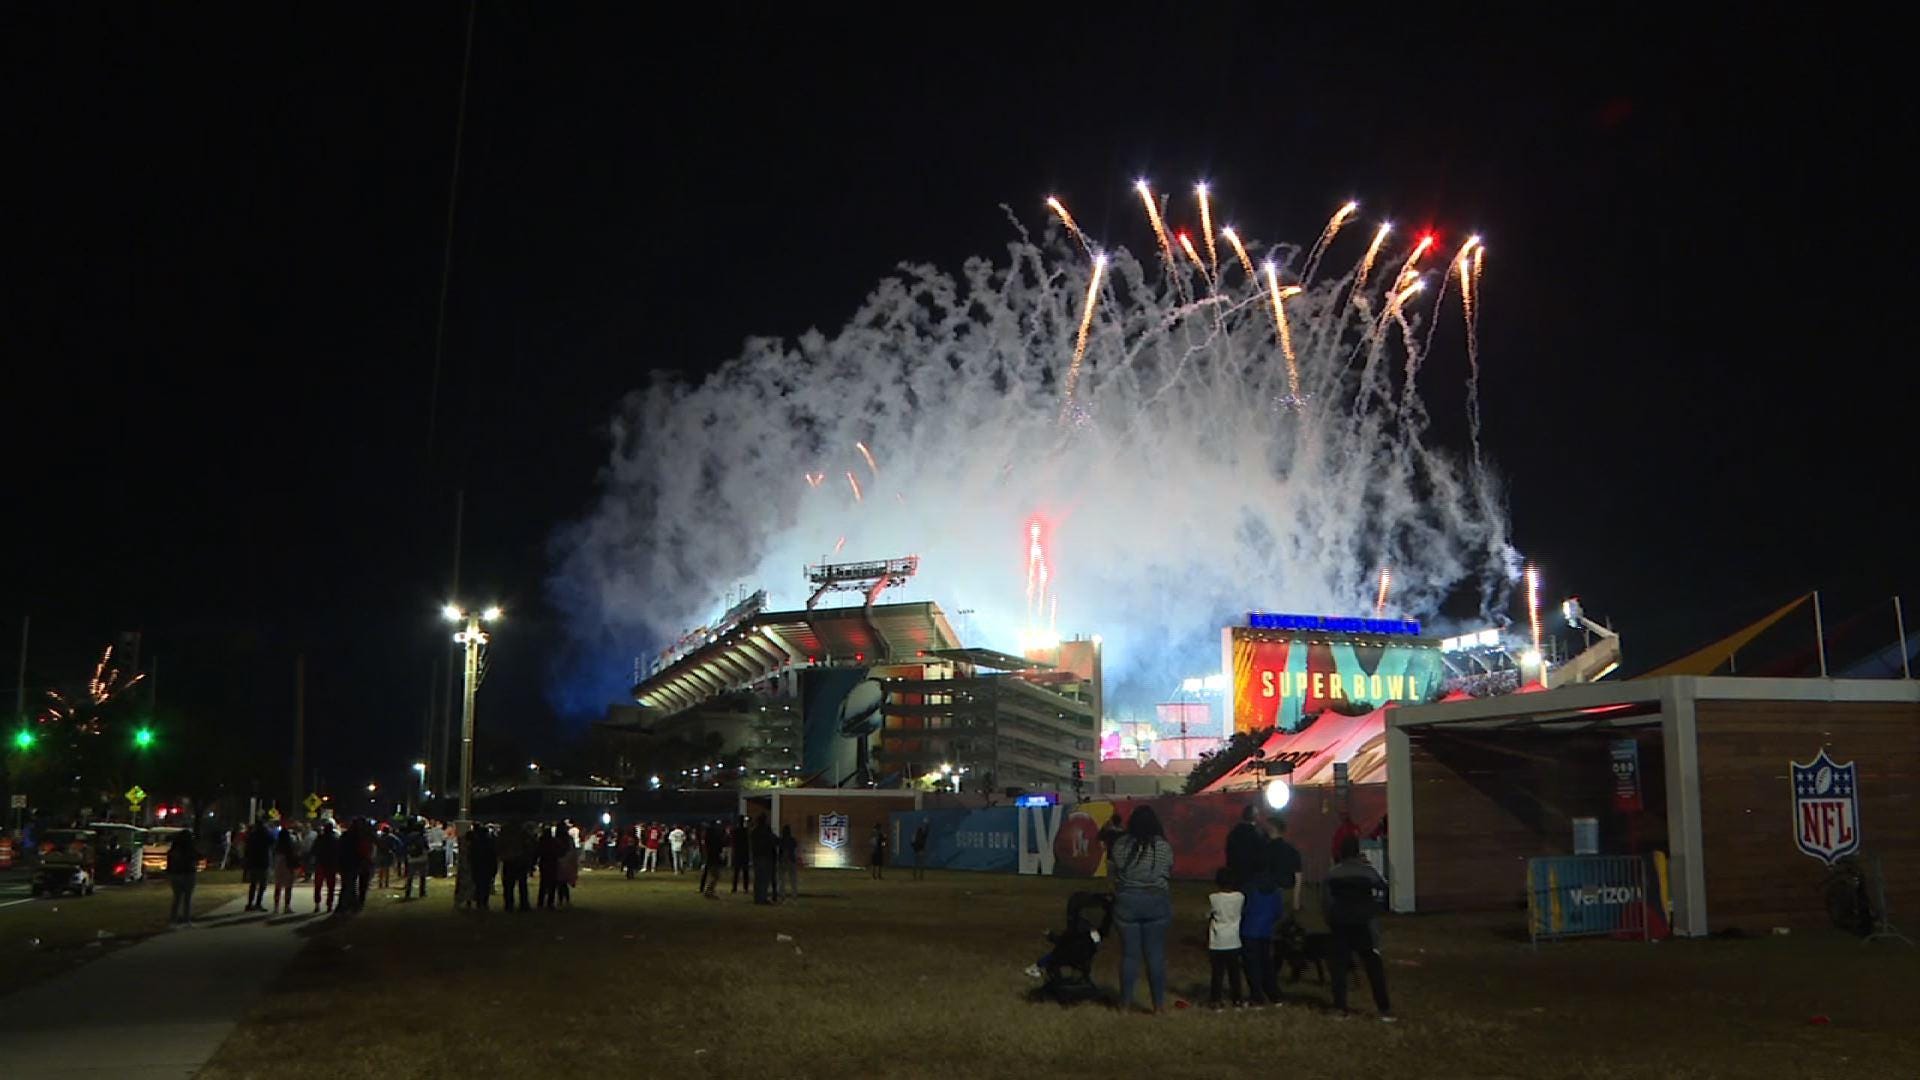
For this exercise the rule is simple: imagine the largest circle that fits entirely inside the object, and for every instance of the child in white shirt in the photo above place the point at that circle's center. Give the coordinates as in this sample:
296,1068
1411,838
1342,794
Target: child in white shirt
1223,933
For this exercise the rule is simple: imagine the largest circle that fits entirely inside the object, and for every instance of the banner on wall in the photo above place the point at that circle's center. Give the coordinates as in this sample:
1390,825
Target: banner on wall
1626,775
1280,679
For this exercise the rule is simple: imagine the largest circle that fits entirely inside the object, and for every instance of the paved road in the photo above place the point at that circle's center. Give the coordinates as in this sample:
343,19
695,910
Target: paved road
182,993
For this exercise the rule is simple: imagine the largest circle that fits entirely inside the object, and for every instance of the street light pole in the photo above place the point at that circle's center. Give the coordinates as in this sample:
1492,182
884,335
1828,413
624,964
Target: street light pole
475,639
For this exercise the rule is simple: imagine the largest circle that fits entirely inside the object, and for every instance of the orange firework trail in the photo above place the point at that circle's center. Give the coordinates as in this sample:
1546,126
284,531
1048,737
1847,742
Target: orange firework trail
1286,332
1406,268
1206,227
855,484
1086,326
1186,245
1386,584
1533,611
1153,216
1066,219
838,544
1233,238
868,454
814,479
1373,252
1339,219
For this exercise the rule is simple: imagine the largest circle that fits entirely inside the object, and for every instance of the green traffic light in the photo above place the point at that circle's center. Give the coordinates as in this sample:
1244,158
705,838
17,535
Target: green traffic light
23,739
143,738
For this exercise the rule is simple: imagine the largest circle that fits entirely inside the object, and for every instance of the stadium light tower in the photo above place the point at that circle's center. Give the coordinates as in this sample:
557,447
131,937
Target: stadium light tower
474,637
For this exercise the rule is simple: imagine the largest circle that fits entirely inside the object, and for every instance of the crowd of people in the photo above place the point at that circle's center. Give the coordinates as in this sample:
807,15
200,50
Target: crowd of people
1252,916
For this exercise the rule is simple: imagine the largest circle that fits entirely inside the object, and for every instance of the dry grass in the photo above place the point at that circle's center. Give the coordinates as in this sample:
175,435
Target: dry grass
68,929
899,978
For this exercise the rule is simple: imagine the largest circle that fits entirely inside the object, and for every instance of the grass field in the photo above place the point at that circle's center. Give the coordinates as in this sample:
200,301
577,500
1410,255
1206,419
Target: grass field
903,978
46,937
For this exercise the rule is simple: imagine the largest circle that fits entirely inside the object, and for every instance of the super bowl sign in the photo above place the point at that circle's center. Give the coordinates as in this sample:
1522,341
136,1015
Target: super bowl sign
1279,679
833,831
1826,808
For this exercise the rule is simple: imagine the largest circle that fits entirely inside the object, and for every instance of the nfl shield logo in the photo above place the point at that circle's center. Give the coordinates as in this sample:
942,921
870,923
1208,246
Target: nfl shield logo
1826,808
833,831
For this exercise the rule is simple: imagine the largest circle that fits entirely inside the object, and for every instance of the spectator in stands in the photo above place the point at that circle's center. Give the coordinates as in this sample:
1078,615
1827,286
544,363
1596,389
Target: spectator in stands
1349,900
1140,865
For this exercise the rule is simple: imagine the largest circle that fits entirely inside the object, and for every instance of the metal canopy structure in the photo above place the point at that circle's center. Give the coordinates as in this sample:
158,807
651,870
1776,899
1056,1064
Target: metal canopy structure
1669,702
772,642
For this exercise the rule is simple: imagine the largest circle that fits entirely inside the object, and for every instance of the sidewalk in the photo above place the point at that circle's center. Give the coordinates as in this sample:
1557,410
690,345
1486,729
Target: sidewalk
156,1009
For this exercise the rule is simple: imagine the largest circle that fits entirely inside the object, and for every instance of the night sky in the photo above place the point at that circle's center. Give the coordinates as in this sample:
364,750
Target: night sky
223,237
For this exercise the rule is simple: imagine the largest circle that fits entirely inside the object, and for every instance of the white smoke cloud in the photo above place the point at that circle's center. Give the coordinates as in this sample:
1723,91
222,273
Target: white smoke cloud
1182,489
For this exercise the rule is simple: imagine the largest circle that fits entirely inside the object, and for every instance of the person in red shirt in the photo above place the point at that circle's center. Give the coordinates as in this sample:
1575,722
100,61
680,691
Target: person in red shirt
653,837
1347,830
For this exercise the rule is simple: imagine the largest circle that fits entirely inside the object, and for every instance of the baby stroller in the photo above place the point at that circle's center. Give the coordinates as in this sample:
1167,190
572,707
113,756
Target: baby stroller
1068,969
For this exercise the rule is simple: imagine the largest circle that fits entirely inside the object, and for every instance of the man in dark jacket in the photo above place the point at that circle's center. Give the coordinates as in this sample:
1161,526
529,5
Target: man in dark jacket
1247,848
183,862
259,856
515,849
742,851
1348,898
712,843
485,859
326,864
764,848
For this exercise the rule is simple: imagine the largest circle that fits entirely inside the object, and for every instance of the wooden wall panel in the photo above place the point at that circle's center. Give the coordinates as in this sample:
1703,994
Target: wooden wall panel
1756,877
1486,802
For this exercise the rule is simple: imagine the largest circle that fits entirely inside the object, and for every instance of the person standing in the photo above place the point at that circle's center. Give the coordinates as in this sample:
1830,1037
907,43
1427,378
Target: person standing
676,842
383,854
183,863
652,841
417,861
485,860
789,864
549,862
1284,864
877,853
1246,847
741,854
258,862
285,856
1348,895
1140,867
764,847
516,862
569,868
711,844
363,844
1224,907
1259,919
326,864
920,851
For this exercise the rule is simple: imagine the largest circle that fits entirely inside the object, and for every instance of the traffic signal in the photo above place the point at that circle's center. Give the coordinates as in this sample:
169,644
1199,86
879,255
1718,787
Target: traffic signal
143,738
24,739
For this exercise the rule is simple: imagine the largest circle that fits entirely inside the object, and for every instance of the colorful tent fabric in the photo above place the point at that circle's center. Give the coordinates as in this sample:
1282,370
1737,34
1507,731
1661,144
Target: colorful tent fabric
1709,660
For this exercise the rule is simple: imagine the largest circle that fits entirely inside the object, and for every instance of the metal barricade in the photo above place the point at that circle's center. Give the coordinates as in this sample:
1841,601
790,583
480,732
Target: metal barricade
1586,895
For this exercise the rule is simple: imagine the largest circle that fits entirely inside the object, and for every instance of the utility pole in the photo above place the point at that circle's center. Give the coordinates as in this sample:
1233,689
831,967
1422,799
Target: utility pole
474,638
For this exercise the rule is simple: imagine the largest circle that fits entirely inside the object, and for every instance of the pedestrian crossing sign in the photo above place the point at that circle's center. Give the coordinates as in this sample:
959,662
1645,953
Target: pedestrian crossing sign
136,795
312,803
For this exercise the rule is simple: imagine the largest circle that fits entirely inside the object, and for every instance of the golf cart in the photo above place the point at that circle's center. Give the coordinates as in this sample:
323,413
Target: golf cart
66,863
117,848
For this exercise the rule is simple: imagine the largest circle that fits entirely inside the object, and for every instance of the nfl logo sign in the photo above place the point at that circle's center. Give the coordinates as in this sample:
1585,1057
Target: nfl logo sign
1826,808
833,831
